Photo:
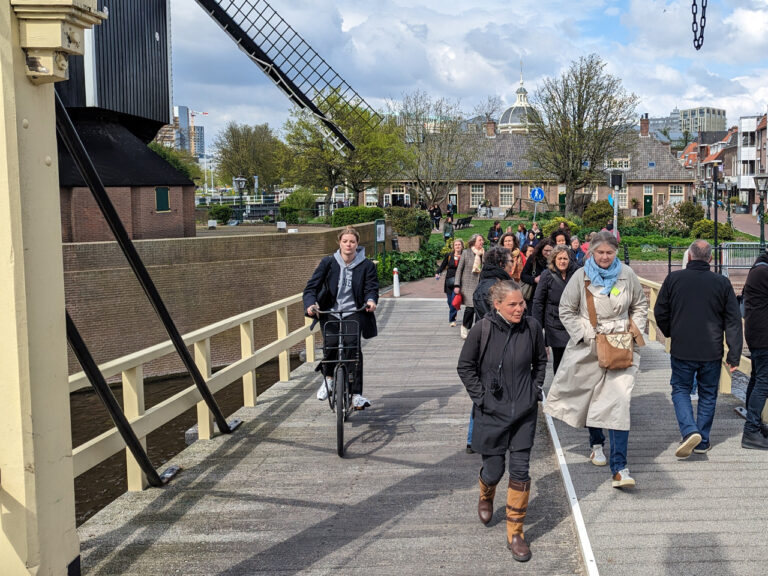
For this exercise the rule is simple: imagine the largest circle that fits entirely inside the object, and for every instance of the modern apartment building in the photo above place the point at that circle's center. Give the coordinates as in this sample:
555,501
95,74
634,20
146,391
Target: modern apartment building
703,119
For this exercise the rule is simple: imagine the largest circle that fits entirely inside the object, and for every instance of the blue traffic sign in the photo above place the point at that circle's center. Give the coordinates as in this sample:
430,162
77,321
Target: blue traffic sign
537,194
610,200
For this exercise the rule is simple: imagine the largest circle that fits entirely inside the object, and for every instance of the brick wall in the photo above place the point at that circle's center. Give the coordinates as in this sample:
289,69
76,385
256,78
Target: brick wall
201,280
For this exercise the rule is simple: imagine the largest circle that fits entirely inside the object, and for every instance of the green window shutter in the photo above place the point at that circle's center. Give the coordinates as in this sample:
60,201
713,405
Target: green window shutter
162,199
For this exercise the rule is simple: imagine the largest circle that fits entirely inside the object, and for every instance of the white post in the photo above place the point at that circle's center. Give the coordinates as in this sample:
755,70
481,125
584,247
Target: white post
396,284
616,212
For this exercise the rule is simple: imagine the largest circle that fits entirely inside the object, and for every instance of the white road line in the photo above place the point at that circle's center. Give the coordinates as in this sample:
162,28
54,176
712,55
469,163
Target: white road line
581,528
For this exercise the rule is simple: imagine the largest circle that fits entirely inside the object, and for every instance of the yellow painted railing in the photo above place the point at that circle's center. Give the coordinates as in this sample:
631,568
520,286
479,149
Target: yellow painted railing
91,453
745,365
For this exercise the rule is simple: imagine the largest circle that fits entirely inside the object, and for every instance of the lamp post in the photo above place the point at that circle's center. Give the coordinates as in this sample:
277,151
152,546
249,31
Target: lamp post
761,182
240,182
731,192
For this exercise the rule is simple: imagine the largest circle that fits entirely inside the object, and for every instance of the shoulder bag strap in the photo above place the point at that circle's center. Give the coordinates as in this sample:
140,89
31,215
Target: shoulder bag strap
591,305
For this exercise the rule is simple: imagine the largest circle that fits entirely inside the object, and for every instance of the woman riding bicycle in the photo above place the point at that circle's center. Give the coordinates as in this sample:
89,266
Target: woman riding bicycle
343,281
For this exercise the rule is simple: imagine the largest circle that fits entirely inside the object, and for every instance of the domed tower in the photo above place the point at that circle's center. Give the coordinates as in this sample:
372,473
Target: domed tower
515,118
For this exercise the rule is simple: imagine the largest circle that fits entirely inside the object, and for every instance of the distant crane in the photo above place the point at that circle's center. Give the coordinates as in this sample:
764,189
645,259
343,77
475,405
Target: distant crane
291,63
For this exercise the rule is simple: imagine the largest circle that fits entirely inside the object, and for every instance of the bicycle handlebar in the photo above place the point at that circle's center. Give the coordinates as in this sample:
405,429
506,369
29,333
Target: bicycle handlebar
346,311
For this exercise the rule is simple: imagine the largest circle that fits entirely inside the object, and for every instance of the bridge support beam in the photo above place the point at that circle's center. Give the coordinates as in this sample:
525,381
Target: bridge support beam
37,502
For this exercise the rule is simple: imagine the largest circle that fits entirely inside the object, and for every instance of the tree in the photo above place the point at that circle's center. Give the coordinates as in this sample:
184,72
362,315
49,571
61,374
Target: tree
181,161
580,122
489,108
247,151
376,159
440,151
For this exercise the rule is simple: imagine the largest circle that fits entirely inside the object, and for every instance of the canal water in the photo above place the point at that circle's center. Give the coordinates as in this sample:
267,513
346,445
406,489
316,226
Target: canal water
105,482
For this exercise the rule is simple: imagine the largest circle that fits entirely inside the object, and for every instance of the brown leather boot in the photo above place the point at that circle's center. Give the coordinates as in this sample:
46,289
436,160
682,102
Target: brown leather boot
517,507
485,504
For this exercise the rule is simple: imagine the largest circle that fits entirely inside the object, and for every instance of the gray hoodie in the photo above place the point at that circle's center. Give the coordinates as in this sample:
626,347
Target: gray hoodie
345,300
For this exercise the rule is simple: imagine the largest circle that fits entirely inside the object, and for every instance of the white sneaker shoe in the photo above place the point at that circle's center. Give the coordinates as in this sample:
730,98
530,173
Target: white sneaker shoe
359,402
325,388
464,333
597,457
622,479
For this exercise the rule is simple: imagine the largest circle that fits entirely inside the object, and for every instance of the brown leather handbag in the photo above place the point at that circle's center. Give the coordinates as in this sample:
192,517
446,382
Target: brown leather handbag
614,351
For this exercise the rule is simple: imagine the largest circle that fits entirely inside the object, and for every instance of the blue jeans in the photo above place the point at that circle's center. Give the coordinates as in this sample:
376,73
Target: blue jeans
619,440
707,376
451,310
471,425
759,393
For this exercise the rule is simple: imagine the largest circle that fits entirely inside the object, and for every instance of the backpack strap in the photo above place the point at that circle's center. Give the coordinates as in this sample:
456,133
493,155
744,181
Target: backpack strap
485,334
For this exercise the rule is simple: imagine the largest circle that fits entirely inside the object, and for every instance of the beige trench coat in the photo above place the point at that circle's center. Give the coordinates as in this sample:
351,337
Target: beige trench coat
582,393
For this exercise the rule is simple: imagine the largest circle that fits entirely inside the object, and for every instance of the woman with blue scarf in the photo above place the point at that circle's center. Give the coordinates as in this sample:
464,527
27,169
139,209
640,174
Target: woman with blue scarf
582,393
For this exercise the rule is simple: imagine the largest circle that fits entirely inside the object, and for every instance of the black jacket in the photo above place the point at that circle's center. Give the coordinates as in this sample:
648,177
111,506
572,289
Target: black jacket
449,265
323,286
546,305
695,306
489,275
756,304
532,269
505,420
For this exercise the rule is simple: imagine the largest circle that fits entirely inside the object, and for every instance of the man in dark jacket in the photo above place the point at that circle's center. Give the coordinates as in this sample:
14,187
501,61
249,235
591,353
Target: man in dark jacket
695,306
756,333
497,264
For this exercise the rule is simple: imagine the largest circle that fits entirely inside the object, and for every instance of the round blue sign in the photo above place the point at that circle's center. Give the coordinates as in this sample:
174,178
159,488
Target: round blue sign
537,194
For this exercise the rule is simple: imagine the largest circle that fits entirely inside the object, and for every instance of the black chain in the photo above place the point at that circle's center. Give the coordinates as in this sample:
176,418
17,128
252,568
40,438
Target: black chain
698,27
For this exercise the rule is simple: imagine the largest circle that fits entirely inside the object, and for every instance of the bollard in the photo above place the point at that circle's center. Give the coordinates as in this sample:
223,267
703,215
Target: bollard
396,284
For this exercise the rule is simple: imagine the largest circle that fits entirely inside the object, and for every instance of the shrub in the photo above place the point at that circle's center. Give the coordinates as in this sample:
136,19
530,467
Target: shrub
410,222
554,224
410,265
355,215
638,227
667,221
706,229
735,201
597,215
690,213
220,212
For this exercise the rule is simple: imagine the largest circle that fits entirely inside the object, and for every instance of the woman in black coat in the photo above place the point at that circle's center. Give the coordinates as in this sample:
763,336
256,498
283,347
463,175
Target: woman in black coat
449,264
534,266
546,301
502,367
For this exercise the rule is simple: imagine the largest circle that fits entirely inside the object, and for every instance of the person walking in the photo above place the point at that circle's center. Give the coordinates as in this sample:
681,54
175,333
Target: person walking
522,234
467,277
502,366
694,307
533,268
756,333
603,297
435,213
578,253
450,263
448,229
494,233
546,301
509,241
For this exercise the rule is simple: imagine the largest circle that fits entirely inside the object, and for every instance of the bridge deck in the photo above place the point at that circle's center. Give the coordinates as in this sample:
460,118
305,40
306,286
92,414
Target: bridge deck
275,499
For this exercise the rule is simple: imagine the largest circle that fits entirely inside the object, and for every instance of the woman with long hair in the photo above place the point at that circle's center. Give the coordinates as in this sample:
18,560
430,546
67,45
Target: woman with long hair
467,277
450,263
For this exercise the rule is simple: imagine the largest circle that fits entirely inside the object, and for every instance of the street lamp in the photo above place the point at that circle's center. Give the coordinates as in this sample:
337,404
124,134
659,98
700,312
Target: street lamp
761,182
240,183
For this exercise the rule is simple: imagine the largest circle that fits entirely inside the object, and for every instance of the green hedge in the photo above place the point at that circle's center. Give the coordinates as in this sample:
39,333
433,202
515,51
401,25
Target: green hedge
597,214
291,215
220,212
410,265
706,229
554,224
410,222
355,215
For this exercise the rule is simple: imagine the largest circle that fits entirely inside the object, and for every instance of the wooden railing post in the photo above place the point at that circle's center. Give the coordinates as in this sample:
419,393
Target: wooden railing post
204,416
310,342
652,332
724,386
250,394
133,407
282,332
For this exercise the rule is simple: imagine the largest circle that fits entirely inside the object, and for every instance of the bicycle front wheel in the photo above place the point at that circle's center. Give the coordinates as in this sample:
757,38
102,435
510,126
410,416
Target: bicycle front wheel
340,391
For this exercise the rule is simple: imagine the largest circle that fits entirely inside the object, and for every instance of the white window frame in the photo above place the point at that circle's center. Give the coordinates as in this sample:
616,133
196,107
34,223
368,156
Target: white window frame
623,200
648,190
676,193
372,197
506,195
476,194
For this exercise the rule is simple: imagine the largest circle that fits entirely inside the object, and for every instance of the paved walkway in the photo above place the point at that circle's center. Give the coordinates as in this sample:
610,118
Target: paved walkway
274,498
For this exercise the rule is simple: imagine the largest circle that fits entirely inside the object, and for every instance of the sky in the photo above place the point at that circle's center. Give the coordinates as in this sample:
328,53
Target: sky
467,51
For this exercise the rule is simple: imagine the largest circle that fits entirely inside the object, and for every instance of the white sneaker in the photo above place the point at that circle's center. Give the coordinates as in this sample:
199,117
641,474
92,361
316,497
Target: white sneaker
597,457
325,388
694,397
359,402
464,332
622,479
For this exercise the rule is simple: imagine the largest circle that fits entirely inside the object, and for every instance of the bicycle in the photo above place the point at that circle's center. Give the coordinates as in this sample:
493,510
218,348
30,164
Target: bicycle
340,400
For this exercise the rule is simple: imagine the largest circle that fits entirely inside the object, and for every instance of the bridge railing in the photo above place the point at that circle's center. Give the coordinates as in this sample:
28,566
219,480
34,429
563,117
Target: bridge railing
130,367
745,364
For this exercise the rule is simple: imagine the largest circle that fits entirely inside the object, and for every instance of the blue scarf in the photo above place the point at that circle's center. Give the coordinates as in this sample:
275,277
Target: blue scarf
605,277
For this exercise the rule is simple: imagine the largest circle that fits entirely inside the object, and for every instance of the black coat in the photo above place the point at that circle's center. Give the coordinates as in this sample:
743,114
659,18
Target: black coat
507,420
694,307
323,287
756,305
449,265
546,305
532,270
489,275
